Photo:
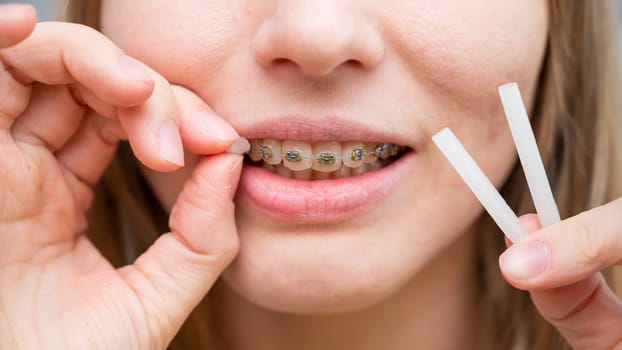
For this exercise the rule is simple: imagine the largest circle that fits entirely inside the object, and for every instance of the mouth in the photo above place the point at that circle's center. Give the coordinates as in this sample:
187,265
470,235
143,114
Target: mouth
321,170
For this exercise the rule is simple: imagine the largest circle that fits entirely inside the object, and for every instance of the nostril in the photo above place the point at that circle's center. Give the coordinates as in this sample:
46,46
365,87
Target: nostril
354,63
283,63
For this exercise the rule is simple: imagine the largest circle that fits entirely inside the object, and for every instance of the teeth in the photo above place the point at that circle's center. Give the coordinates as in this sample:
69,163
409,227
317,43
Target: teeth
342,172
394,150
297,155
371,152
327,156
320,175
255,154
271,151
386,151
359,171
303,175
283,171
353,154
323,160
270,168
373,166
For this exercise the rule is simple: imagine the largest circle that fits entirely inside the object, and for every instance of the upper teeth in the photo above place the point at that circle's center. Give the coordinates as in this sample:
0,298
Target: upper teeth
322,156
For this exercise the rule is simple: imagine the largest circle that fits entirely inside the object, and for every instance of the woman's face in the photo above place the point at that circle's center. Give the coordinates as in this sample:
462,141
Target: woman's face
340,76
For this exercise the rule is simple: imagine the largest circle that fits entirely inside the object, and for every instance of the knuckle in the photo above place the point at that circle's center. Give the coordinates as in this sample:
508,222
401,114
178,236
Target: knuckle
74,54
223,258
220,253
192,212
205,194
592,246
109,131
78,30
198,205
230,249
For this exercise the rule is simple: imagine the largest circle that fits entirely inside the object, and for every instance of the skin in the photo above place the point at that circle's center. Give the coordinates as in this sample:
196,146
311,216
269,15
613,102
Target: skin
236,50
187,78
440,75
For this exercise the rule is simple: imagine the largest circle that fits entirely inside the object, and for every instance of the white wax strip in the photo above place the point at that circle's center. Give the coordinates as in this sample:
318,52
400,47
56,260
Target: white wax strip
481,186
528,153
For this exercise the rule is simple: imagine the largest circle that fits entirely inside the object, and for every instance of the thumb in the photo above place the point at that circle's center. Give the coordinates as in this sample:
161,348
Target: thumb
559,265
174,274
17,21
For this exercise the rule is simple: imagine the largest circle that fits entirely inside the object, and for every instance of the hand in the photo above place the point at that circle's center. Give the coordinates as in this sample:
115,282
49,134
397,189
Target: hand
67,96
560,267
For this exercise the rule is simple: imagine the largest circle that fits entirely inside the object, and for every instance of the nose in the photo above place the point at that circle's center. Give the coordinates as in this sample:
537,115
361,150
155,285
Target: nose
318,36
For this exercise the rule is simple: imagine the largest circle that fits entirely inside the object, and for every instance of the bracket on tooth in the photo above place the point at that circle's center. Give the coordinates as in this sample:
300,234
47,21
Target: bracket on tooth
265,151
357,154
378,151
326,158
293,156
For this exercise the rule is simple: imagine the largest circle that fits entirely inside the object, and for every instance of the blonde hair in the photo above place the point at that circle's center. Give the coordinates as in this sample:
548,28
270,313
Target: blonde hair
576,120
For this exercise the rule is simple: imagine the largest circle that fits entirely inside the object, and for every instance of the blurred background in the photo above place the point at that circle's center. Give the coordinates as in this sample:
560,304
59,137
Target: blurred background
45,8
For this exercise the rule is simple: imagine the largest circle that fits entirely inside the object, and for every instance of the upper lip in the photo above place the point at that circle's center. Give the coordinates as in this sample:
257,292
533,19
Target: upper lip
314,130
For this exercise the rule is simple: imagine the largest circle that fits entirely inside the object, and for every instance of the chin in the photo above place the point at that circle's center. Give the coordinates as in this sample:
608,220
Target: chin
309,294
319,271
299,266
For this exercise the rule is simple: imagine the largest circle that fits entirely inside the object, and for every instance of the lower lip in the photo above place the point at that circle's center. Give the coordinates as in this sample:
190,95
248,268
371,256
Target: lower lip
321,200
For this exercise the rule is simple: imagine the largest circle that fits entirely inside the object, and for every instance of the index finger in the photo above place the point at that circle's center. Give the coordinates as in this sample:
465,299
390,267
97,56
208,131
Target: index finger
64,53
16,22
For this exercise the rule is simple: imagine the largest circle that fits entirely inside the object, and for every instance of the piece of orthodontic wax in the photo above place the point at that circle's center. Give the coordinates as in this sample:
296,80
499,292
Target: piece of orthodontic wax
479,184
241,146
530,159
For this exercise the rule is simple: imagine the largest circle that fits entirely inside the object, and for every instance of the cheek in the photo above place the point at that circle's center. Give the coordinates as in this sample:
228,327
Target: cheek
458,54
176,37
465,50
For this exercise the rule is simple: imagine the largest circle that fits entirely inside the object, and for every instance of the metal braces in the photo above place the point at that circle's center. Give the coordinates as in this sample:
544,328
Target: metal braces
328,158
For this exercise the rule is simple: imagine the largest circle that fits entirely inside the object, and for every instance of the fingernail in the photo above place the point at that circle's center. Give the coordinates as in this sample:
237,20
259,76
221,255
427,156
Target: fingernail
525,261
240,146
133,69
10,10
171,148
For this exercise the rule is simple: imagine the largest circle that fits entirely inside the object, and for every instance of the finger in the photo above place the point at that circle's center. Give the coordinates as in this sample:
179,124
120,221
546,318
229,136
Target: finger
587,313
14,98
50,119
531,223
202,131
559,265
567,252
153,128
62,53
182,265
88,98
90,150
16,22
